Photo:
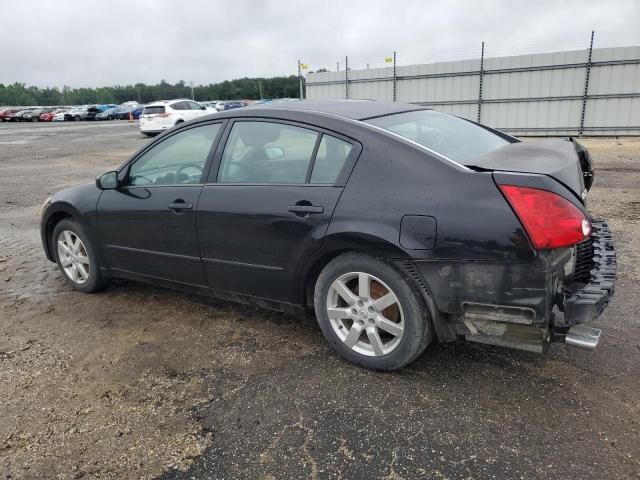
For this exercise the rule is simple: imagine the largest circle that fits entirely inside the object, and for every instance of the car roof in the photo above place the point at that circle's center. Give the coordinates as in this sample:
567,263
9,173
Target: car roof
158,103
353,109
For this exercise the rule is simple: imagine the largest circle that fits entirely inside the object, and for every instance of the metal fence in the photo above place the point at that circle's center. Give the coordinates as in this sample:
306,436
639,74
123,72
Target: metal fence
581,92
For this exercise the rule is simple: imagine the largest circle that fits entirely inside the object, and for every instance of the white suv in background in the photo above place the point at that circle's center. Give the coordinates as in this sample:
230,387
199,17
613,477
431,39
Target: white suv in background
162,115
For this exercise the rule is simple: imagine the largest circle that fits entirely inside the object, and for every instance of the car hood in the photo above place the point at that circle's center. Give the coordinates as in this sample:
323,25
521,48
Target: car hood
563,159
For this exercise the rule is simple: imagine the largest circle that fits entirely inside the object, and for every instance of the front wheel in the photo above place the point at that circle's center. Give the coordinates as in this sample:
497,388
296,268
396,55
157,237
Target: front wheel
75,257
370,313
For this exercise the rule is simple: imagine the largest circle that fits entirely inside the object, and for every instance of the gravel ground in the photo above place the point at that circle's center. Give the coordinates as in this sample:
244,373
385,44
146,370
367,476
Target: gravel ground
139,382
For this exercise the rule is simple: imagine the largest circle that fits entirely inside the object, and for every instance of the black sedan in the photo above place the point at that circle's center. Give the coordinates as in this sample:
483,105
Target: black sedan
396,224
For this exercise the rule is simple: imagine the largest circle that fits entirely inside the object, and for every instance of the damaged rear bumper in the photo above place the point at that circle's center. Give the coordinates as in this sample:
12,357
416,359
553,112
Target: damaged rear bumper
583,304
524,305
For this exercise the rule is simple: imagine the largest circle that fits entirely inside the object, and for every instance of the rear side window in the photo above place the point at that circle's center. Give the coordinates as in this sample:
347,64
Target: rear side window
330,159
265,152
152,110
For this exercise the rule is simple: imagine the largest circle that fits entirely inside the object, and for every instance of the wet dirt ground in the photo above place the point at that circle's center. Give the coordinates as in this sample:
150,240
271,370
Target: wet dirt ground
139,382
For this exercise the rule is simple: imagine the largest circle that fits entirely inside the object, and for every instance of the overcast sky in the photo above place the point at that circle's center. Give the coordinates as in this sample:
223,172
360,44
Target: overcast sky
107,42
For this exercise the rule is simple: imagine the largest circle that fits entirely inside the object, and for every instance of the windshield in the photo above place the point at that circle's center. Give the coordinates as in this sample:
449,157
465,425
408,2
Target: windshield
447,135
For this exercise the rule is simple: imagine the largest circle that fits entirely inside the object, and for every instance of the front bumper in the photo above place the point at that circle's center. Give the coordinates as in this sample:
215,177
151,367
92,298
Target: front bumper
585,303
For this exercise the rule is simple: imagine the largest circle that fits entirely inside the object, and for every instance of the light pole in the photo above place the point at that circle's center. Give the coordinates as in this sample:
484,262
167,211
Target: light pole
300,78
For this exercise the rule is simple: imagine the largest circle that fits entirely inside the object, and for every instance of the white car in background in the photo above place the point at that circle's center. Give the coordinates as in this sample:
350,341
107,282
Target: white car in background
162,115
59,116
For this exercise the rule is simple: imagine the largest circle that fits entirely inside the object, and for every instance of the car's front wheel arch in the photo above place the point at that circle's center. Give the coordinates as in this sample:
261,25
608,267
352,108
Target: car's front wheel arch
52,221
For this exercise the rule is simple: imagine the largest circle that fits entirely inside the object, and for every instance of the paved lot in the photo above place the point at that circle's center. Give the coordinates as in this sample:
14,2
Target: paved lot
138,382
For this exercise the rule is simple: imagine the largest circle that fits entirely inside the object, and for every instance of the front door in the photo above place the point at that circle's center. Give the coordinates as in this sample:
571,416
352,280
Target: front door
147,226
268,205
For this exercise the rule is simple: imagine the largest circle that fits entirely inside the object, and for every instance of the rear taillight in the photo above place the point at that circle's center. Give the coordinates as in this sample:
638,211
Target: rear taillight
164,115
550,220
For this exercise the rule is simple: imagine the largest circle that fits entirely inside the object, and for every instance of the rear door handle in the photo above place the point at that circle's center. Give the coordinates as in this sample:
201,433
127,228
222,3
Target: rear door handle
177,206
305,209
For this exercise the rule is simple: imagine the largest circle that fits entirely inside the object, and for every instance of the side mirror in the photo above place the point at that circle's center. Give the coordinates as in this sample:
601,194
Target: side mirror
203,108
108,181
274,153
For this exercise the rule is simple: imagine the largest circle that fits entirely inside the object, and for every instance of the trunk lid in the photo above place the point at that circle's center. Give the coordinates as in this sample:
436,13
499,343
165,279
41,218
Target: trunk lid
563,159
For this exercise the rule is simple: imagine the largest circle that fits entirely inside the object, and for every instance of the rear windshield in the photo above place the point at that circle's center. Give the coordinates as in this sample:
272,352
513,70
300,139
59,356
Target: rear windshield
447,135
149,110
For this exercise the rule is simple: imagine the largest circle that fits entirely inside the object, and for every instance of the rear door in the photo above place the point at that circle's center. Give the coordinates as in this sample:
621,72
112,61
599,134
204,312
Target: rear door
267,206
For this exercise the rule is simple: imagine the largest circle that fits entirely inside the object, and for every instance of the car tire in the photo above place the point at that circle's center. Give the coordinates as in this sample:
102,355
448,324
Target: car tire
385,335
149,134
77,118
76,257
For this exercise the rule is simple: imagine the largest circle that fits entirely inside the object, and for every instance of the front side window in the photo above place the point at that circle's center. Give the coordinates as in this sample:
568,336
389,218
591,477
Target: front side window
447,135
179,159
265,152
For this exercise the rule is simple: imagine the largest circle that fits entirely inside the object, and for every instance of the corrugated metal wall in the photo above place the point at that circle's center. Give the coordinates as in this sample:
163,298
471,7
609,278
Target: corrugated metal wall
541,94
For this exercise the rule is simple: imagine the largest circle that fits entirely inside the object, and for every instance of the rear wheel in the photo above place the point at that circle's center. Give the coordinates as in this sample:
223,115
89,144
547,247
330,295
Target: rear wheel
75,257
370,313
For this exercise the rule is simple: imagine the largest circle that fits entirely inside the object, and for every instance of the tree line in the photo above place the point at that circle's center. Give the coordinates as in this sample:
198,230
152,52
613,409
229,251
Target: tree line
19,94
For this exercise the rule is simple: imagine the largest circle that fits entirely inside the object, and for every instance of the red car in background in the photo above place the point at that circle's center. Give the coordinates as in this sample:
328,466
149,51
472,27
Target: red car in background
48,116
6,113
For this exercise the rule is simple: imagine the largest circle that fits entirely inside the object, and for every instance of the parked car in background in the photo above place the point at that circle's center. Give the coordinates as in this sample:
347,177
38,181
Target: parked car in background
76,114
35,115
109,114
58,116
7,113
124,111
48,114
232,105
19,115
397,224
162,115
137,112
92,112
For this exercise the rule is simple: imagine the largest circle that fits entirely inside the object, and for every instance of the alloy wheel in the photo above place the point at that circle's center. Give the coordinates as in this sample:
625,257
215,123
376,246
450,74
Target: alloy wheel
365,314
73,257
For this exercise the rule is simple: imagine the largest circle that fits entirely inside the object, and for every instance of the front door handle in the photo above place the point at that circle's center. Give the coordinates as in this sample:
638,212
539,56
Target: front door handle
305,209
179,205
